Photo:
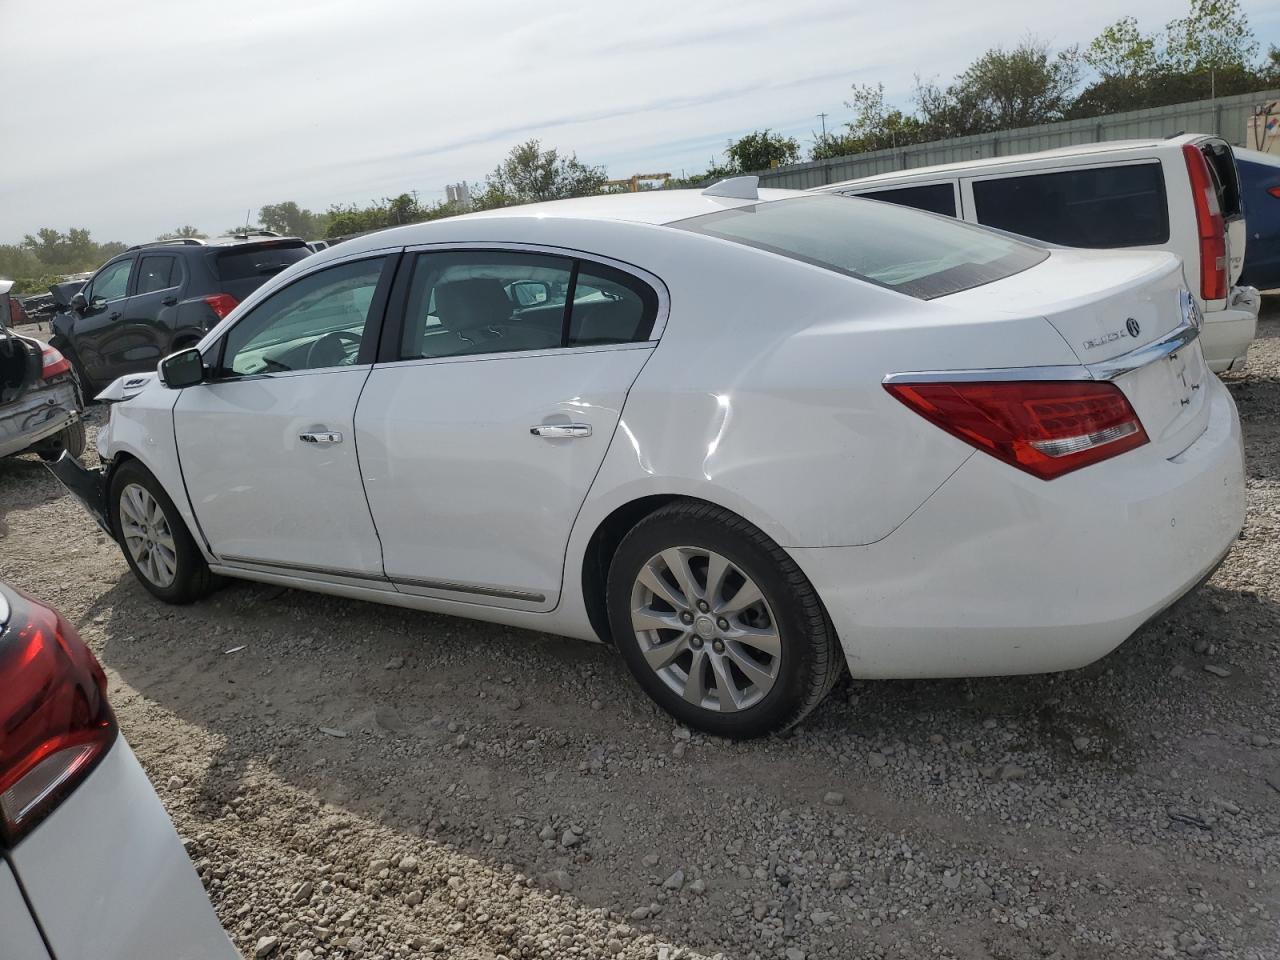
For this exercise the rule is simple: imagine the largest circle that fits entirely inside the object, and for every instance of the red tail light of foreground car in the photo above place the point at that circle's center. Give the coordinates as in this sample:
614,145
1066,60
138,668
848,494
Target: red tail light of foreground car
55,722
1046,428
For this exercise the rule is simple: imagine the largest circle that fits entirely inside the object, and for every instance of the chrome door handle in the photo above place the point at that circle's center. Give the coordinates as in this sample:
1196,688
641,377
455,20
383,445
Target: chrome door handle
327,437
561,430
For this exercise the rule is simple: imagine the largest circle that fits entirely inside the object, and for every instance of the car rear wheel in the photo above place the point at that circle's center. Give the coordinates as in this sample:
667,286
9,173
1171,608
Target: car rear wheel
70,439
718,624
155,540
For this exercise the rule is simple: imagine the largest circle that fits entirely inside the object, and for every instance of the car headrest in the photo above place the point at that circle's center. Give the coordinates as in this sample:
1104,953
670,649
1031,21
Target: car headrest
472,304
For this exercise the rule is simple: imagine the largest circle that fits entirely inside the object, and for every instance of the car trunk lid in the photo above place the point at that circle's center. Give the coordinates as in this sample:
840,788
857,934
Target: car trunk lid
1128,318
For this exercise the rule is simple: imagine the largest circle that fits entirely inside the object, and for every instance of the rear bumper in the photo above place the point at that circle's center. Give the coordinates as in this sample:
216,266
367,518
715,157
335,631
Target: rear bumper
1228,333
88,485
36,415
108,878
1000,573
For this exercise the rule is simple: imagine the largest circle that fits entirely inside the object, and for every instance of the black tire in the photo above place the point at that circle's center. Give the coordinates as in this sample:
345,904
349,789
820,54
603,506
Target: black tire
88,389
192,578
70,439
810,659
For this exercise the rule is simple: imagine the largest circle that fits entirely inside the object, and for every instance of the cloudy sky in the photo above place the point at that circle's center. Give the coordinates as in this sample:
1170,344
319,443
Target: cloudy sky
136,116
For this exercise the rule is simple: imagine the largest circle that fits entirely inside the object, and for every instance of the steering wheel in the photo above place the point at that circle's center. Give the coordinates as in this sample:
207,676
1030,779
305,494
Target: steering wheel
330,350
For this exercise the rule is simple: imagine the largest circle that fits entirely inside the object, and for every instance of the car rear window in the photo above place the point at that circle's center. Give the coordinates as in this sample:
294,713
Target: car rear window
1116,206
931,198
891,246
258,261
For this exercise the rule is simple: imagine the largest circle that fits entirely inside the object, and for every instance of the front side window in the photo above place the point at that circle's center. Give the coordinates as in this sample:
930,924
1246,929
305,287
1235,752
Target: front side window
881,243
932,198
1118,206
470,302
113,282
157,273
317,322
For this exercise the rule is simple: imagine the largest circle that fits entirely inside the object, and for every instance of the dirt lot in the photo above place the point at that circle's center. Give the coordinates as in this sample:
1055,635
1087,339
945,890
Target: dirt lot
360,781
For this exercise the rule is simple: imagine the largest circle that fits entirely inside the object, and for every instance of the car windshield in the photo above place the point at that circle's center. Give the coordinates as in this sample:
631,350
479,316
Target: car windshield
919,254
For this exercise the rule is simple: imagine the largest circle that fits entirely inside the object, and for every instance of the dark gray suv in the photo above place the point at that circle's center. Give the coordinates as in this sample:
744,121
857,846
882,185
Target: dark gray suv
159,297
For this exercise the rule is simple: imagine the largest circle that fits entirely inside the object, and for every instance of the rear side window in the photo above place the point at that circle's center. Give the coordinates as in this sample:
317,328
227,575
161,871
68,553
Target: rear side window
610,306
931,198
1120,206
257,262
472,302
881,243
158,273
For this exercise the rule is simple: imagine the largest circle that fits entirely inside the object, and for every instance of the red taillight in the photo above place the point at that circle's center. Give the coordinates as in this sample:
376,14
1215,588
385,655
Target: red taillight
52,362
55,722
221,303
1046,428
1209,224
1274,191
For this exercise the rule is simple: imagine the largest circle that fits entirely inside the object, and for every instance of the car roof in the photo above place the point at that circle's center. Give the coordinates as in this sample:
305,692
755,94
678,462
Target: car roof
984,163
649,207
1256,156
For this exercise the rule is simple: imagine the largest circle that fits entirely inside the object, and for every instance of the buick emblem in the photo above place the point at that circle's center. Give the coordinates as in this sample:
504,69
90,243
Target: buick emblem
1132,326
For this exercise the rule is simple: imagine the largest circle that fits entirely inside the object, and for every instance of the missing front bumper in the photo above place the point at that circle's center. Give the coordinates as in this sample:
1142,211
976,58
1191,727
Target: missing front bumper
88,485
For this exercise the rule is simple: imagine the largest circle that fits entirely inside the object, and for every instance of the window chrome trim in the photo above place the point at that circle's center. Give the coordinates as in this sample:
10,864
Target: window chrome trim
587,256
1112,369
475,589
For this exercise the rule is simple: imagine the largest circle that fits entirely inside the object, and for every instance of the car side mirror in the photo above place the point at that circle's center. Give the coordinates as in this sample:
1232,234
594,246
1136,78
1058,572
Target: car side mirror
98,303
78,302
182,369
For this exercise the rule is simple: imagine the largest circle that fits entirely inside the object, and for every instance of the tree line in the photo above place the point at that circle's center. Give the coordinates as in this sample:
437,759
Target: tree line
1211,51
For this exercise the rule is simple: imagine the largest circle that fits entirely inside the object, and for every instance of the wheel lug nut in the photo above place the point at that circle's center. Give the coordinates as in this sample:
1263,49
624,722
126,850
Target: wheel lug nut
702,605
718,646
686,617
697,643
722,623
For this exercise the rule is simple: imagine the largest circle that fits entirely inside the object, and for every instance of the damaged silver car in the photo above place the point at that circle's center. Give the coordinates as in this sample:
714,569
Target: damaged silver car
40,401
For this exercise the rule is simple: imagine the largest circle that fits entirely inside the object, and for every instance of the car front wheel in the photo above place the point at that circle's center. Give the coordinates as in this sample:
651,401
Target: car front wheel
154,538
718,624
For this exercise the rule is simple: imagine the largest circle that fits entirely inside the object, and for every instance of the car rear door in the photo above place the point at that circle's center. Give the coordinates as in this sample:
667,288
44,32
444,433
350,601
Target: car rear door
1226,177
498,390
267,446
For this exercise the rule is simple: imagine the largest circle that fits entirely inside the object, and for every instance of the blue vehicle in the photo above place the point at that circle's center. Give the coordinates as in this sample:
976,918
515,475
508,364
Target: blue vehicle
1260,189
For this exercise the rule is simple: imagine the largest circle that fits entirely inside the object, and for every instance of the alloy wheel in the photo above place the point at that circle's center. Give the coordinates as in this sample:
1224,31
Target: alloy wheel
705,628
147,535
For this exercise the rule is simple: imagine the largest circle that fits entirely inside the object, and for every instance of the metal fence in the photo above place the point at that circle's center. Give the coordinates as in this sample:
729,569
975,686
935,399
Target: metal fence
1228,117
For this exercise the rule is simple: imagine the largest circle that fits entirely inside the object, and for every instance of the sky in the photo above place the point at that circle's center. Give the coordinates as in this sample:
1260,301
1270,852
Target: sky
137,116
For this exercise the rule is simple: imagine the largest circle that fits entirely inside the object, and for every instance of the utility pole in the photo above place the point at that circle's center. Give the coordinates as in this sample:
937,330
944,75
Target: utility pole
823,118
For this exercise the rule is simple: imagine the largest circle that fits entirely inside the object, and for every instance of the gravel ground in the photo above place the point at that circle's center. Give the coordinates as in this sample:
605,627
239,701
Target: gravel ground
361,781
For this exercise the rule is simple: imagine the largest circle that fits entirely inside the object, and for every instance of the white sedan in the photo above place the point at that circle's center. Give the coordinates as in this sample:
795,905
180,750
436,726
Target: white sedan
746,436
90,866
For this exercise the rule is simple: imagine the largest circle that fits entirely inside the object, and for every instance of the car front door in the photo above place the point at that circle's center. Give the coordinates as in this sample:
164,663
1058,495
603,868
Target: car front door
142,337
499,387
97,324
267,445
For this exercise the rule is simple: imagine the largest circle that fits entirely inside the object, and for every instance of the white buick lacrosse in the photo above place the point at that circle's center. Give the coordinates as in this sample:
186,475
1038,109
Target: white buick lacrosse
746,436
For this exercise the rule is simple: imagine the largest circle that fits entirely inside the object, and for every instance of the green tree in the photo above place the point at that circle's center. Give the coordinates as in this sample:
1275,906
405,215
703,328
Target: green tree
288,218
530,174
761,149
1002,89
1211,51
184,232
1214,35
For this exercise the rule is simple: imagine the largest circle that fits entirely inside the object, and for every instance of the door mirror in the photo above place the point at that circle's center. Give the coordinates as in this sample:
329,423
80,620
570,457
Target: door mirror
528,293
182,369
78,302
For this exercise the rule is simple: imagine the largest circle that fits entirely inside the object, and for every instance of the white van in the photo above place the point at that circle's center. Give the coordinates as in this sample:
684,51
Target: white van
1181,194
